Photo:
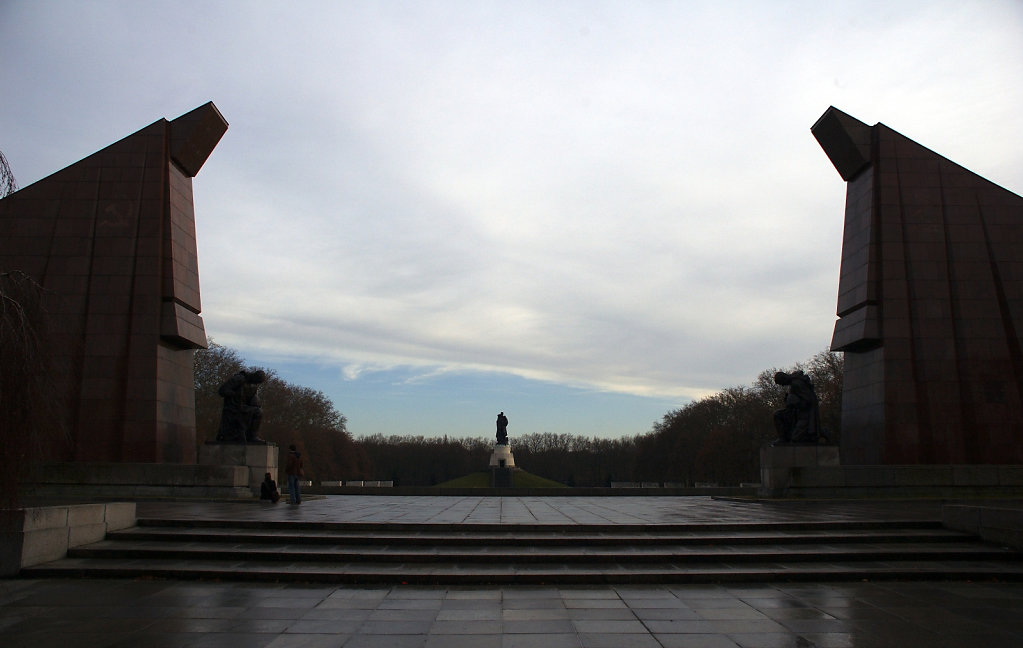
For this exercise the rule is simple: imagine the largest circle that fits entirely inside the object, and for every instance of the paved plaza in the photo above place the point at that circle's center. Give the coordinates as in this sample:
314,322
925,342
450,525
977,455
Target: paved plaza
156,613
554,510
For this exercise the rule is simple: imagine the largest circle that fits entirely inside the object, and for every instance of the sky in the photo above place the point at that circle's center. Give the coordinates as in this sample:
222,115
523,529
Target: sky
583,214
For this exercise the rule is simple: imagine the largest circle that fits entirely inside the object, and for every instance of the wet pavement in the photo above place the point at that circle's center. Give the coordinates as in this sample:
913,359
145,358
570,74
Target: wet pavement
156,613
378,509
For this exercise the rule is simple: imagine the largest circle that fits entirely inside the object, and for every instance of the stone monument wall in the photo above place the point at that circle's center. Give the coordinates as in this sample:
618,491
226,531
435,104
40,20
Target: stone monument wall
111,239
930,304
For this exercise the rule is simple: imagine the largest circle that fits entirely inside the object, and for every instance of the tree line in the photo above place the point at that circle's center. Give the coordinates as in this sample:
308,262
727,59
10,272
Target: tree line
714,440
717,439
291,415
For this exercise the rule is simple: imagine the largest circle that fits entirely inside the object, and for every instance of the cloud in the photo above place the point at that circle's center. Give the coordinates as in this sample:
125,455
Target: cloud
617,197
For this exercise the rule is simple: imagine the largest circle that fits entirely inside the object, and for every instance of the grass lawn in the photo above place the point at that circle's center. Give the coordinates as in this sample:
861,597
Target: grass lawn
520,479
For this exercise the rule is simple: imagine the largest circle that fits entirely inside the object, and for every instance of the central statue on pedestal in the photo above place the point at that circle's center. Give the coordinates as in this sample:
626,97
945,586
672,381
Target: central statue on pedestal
502,429
502,461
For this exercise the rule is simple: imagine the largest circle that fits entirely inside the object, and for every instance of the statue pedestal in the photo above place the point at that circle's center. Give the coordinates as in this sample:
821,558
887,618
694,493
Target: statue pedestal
259,459
78,480
779,463
502,457
501,477
502,464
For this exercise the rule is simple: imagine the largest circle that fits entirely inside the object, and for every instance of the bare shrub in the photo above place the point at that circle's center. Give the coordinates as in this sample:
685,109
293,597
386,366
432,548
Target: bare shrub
31,397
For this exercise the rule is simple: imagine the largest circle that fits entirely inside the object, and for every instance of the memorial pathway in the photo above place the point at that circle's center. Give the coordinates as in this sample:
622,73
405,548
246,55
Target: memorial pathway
545,510
109,613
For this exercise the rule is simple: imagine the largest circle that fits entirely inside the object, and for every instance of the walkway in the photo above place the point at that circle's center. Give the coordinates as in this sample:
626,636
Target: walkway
64,613
545,510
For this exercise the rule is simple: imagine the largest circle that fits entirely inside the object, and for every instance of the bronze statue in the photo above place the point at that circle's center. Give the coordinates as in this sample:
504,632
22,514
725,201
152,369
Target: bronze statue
242,414
799,421
502,429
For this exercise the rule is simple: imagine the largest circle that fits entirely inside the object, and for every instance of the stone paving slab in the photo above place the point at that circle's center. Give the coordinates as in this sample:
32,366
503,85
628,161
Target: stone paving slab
153,613
545,510
167,613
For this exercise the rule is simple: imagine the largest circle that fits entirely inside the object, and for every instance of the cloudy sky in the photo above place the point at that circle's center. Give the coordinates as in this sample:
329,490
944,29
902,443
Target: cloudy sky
582,213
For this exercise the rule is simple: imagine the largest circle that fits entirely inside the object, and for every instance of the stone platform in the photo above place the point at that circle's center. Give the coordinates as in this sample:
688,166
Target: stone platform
815,471
92,481
224,471
780,465
41,534
257,458
255,613
579,540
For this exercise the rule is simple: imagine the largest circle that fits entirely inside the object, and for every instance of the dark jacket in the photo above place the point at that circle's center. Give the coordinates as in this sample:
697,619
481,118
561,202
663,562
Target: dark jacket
294,465
268,490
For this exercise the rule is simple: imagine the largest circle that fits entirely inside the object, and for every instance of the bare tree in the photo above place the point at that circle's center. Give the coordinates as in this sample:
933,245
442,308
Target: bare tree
213,366
718,438
7,183
291,414
31,392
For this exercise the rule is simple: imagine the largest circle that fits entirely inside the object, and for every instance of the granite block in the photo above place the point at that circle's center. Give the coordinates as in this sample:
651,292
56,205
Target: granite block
922,476
97,236
948,242
1010,475
975,475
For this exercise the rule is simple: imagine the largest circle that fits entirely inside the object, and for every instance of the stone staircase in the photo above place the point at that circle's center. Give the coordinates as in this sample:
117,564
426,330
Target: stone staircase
479,554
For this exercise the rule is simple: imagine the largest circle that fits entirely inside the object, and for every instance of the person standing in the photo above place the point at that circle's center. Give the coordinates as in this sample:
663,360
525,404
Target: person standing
295,471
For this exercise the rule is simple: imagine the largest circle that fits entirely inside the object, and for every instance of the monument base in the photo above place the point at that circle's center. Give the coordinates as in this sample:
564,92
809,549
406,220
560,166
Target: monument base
927,480
502,457
257,458
780,464
814,471
501,477
120,481
502,464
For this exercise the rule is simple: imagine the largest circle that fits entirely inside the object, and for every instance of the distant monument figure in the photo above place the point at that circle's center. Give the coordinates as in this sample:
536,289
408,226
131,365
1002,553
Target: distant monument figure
242,414
502,461
799,420
502,429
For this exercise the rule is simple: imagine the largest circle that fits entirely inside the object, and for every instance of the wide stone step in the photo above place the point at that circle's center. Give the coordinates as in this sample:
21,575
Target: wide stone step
495,573
364,552
580,530
622,554
505,538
